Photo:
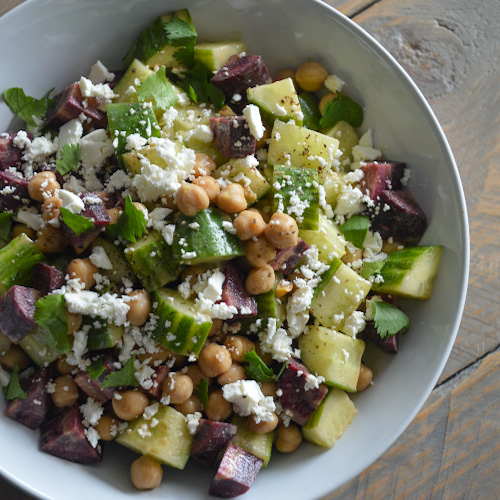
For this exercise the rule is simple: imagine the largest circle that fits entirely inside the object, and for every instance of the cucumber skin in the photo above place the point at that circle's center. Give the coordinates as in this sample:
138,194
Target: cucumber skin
260,445
136,70
38,348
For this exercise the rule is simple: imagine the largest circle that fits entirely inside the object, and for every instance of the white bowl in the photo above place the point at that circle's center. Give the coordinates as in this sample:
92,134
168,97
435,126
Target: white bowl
48,43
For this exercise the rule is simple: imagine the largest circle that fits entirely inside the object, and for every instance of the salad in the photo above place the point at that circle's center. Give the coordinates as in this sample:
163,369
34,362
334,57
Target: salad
193,257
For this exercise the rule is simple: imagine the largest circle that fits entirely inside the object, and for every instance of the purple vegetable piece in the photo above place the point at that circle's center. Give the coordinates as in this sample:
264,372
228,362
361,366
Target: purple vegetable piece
33,410
399,216
17,312
161,373
63,436
93,386
232,136
69,105
236,473
210,439
234,293
47,278
299,404
14,189
237,75
389,344
380,176
10,155
287,258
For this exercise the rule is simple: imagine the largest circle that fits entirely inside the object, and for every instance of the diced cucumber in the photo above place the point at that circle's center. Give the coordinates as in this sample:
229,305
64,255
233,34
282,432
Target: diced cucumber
260,445
151,260
277,101
327,238
37,346
410,272
208,243
296,193
347,137
168,441
330,420
333,355
103,335
213,55
121,268
301,147
339,294
179,328
152,46
136,73
17,258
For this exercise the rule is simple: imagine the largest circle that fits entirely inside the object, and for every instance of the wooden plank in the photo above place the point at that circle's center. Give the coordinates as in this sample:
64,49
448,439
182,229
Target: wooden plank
450,451
6,5
350,7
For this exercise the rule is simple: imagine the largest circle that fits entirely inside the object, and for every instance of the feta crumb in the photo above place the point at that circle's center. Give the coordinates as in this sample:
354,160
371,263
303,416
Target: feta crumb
252,115
71,201
193,420
100,258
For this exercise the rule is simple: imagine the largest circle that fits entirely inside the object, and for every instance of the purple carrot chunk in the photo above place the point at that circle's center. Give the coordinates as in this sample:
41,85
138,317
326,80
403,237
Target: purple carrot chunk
159,376
399,216
64,436
10,155
234,293
33,410
210,439
236,473
232,136
380,176
93,386
298,401
287,258
17,312
14,191
47,278
389,344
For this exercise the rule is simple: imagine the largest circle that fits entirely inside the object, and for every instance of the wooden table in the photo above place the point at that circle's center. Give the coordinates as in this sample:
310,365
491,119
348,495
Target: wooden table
451,48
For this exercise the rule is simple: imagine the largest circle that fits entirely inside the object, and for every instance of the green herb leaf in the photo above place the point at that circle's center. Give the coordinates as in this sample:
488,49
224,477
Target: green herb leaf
69,159
342,108
159,88
180,33
388,319
96,369
124,377
77,223
372,268
310,108
13,389
196,84
50,314
257,369
216,96
25,106
355,229
201,390
132,224
5,225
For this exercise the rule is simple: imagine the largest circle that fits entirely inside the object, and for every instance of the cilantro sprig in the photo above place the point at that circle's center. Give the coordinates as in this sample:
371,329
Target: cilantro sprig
124,377
342,108
50,314
69,158
131,225
77,223
258,370
182,34
159,88
355,229
201,391
388,319
26,106
13,390
96,369
5,225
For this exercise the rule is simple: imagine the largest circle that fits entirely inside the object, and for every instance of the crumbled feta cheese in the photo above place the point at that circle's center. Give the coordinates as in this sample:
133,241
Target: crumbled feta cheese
95,148
71,201
276,341
193,420
135,141
100,258
365,153
312,382
100,74
39,149
279,110
92,411
101,90
108,305
31,219
70,133
252,115
334,84
21,140
366,139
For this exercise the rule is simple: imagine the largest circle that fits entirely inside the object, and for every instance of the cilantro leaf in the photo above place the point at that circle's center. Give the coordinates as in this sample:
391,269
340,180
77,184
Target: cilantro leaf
5,225
70,158
159,88
196,83
372,268
132,224
124,377
355,229
25,106
13,390
257,369
180,32
215,95
342,108
77,223
50,314
96,369
388,319
201,390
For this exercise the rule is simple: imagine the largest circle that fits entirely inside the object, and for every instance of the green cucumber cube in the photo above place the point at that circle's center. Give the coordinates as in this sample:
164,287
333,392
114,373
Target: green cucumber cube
121,268
103,335
38,347
347,138
213,55
260,445
328,239
136,73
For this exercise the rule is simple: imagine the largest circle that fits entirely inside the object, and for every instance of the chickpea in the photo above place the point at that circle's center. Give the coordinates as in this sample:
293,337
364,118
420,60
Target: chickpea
178,387
146,473
128,405
218,408
140,307
65,391
51,239
235,373
23,228
284,74
259,251
196,375
282,231
288,439
155,358
267,357
83,270
114,214
325,100
74,322
365,378
50,208
268,389
232,198
42,185
248,224
260,280
203,165
15,355
210,185
216,327
214,359
238,346
191,199
63,367
352,254
391,246
262,427
192,405
311,75
107,427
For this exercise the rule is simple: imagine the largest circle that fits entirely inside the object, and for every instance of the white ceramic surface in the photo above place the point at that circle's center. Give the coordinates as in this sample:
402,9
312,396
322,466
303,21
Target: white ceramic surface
48,43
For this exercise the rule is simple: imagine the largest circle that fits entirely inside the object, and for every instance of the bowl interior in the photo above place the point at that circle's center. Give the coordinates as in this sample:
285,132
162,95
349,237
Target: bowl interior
56,42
